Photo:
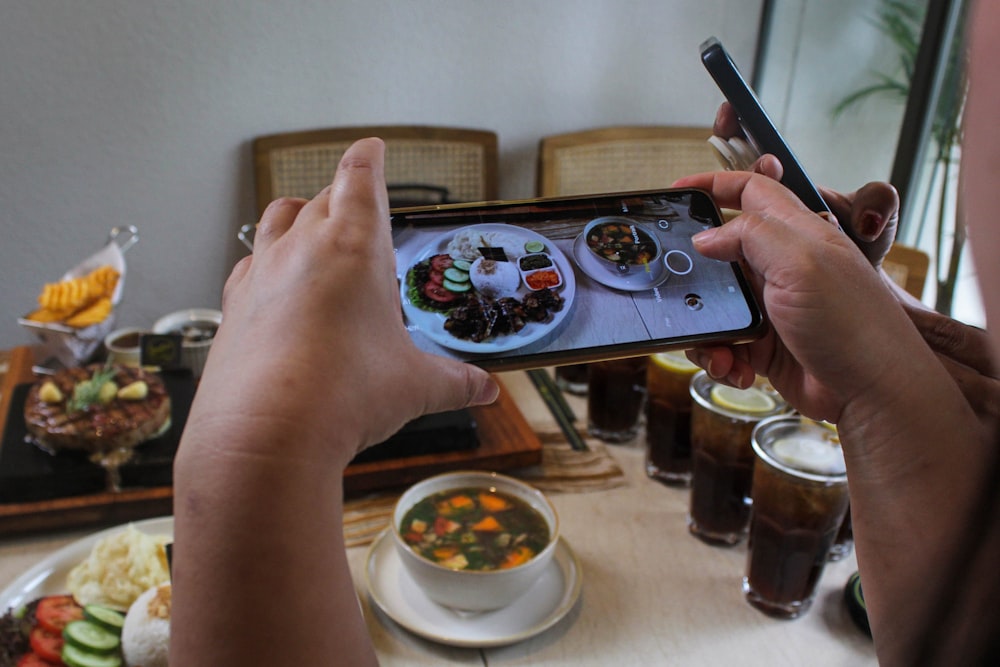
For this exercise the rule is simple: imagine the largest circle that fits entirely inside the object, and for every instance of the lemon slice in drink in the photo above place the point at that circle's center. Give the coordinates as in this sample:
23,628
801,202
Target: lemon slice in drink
752,400
674,361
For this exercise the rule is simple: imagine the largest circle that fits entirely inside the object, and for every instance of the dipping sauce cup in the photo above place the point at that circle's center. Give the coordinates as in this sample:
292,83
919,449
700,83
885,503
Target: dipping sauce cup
722,420
668,418
615,392
799,502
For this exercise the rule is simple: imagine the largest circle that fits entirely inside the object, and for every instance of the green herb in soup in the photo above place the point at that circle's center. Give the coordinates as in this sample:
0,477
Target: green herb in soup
473,529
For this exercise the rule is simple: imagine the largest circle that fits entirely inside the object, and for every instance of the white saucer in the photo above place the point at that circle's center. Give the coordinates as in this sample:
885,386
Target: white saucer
634,281
396,594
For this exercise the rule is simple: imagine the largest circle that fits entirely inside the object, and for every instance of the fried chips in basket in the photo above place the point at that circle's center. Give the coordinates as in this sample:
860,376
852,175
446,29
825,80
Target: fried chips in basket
78,302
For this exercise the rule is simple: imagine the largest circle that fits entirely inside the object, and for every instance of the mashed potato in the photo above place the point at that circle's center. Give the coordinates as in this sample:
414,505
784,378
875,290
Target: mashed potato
119,568
467,242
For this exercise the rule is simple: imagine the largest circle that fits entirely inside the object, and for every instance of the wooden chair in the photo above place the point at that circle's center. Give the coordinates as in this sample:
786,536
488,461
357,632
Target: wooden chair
907,267
423,164
617,159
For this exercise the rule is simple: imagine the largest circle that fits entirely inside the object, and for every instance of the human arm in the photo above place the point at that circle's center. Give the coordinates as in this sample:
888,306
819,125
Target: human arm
841,349
311,364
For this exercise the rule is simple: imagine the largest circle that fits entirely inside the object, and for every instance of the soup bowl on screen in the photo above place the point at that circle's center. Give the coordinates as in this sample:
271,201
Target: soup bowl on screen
474,541
621,245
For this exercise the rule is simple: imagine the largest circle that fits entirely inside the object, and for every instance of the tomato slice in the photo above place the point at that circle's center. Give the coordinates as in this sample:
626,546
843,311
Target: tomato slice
33,660
438,293
436,277
442,262
48,645
55,611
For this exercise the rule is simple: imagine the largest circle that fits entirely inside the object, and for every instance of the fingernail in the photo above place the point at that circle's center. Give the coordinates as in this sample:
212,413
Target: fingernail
488,392
704,236
870,223
735,378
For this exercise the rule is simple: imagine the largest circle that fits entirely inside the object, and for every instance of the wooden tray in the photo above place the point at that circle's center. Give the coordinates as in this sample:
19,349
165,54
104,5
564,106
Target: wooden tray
505,441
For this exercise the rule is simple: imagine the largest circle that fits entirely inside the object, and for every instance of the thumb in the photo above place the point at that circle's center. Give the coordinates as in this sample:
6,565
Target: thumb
457,385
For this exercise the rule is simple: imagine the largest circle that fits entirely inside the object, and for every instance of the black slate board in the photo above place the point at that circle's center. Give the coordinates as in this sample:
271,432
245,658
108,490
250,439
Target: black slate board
29,474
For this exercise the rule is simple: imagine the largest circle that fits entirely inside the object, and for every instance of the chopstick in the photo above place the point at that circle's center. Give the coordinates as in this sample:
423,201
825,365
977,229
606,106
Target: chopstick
557,405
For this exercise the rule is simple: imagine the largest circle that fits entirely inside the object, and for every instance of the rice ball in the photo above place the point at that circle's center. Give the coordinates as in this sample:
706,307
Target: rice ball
146,633
494,279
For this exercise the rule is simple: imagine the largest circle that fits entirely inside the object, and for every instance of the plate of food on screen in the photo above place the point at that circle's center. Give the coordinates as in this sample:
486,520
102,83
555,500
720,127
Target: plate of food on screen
487,288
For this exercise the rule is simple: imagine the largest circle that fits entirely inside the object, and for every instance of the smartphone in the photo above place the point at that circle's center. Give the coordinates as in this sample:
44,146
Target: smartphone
757,125
525,284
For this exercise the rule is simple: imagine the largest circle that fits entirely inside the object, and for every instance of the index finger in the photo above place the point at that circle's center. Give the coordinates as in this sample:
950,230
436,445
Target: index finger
745,191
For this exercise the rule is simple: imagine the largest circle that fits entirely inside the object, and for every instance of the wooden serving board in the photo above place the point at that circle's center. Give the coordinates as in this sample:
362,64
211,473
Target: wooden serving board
505,441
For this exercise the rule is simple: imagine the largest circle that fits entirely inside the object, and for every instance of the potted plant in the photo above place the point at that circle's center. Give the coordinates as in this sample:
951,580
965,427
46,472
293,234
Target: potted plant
901,22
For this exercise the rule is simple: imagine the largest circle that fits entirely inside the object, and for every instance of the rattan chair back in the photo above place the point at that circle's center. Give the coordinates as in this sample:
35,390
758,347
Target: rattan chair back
618,159
423,164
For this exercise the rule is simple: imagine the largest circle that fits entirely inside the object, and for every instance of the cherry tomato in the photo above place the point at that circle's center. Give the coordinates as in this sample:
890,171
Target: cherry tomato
47,645
33,660
55,611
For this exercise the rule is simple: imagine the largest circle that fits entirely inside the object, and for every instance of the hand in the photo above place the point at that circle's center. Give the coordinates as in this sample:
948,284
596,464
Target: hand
871,212
809,276
312,332
966,353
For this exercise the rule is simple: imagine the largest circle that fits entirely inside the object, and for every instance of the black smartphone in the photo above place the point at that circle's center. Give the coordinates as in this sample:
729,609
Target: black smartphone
524,284
757,125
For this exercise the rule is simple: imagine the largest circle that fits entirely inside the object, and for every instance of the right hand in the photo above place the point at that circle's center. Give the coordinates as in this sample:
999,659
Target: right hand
809,276
872,212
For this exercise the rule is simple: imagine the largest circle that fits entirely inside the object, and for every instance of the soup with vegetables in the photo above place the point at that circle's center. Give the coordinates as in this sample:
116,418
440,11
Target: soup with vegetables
475,529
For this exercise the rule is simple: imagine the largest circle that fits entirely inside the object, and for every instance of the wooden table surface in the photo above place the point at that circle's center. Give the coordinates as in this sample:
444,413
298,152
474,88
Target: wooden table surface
652,594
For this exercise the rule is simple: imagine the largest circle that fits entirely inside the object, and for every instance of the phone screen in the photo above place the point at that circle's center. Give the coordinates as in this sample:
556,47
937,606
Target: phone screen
549,281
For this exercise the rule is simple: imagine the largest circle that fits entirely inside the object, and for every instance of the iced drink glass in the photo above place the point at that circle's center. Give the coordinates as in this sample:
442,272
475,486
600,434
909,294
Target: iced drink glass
722,419
668,418
572,378
799,501
615,394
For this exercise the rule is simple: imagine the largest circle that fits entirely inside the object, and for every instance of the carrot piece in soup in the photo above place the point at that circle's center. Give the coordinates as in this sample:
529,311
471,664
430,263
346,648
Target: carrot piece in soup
461,501
443,553
493,503
488,524
518,556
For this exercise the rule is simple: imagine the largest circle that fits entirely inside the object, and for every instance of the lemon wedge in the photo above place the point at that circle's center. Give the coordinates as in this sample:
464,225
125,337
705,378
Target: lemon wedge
752,400
675,361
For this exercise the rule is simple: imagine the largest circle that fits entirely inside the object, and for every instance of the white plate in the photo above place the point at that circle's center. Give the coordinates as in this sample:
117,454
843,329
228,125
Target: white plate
635,281
48,577
432,324
396,594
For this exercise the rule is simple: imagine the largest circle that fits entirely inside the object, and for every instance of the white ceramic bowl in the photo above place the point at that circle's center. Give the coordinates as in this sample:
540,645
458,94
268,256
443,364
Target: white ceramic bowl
471,590
622,267
193,353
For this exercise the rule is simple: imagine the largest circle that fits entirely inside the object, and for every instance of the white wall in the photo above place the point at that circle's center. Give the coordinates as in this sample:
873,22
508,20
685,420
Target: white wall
138,112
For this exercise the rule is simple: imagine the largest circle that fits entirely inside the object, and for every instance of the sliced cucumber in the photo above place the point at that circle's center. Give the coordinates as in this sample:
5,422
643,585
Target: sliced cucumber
74,656
456,287
456,275
534,246
91,637
462,265
109,619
